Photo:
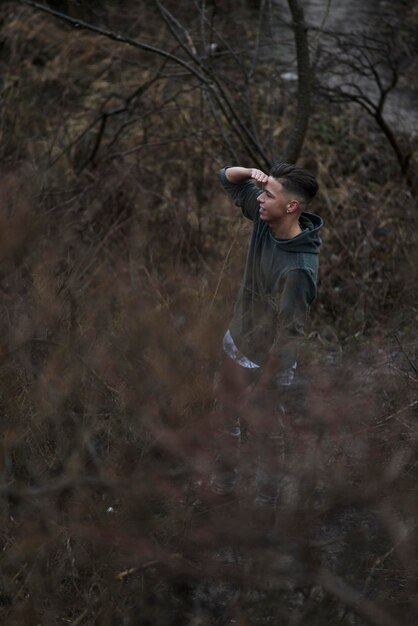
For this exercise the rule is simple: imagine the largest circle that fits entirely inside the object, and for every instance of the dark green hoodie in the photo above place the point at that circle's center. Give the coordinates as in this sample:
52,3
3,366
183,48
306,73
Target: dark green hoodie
278,286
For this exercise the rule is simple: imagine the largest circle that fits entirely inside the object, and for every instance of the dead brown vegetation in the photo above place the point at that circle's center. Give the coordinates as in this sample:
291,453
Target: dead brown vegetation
120,261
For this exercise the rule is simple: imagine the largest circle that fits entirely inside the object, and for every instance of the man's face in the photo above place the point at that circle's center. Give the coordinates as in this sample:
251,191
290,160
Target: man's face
274,201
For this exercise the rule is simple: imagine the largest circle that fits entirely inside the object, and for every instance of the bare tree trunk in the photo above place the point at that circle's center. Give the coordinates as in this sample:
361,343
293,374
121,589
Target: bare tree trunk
300,126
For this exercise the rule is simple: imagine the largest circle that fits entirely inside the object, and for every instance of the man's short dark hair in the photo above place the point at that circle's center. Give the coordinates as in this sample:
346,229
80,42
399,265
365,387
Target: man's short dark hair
295,179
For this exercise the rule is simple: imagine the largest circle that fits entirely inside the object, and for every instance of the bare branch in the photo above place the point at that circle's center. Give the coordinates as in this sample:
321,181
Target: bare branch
115,36
361,68
221,95
408,358
354,599
201,72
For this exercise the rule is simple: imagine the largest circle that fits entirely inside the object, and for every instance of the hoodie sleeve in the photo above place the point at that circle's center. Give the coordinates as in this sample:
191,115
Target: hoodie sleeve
244,195
298,293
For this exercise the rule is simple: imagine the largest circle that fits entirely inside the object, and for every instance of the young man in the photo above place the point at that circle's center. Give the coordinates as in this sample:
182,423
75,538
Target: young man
278,287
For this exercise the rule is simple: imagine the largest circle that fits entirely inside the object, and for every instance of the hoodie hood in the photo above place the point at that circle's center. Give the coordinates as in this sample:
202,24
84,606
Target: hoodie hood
308,240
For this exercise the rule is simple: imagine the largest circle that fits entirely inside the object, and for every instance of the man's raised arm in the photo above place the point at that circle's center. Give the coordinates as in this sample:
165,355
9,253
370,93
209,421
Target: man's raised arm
237,175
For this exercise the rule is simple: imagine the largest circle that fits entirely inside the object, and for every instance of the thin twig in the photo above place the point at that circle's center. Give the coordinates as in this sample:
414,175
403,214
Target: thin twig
80,358
110,34
411,363
221,273
354,599
80,618
197,69
386,419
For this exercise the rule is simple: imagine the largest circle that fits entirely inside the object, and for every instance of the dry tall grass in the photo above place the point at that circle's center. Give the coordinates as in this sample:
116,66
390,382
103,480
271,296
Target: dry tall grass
120,262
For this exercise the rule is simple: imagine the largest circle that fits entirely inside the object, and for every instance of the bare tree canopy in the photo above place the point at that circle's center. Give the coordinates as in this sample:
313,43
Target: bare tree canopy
120,258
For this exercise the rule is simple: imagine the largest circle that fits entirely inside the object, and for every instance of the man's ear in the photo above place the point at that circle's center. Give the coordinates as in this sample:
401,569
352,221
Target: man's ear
293,206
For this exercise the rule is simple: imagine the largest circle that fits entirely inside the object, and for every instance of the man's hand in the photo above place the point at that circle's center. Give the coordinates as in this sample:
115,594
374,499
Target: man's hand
259,176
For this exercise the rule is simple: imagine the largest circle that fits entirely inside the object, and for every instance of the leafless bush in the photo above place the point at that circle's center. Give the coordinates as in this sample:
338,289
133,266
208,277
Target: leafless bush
364,68
120,258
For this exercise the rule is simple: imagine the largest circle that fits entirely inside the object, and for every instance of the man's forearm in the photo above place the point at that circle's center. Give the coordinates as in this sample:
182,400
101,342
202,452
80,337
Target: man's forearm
237,175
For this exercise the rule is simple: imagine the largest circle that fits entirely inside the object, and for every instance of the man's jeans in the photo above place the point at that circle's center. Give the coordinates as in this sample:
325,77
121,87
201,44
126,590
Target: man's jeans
249,437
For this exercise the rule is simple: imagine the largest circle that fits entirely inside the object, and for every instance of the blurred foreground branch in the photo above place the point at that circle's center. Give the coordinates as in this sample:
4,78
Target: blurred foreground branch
354,599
